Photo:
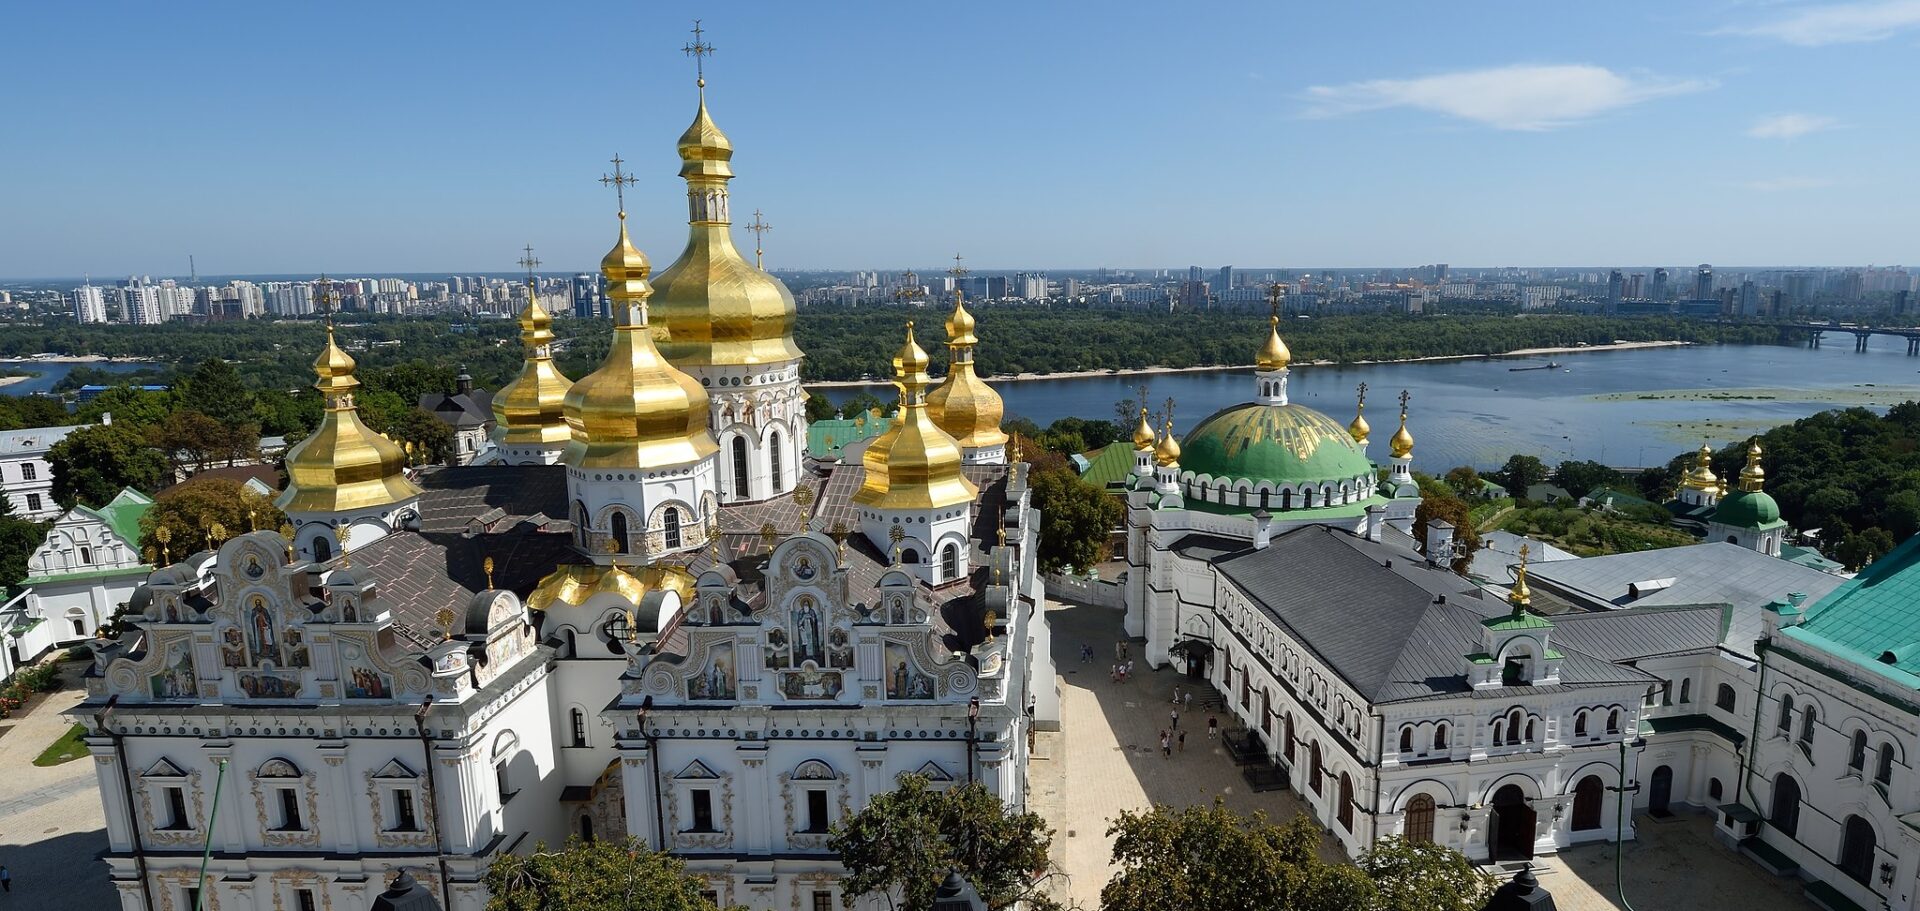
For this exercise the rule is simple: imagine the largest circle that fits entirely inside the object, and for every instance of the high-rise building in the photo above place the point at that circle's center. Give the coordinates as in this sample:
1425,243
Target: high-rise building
1749,299
1616,288
586,296
1225,280
1637,286
1703,282
1660,284
140,304
89,305
1798,286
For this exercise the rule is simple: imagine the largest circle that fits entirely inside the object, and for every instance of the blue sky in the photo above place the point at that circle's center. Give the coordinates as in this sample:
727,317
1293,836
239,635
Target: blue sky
386,137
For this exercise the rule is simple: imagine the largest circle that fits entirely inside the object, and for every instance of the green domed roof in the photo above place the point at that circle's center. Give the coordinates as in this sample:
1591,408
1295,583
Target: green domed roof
1748,509
1284,444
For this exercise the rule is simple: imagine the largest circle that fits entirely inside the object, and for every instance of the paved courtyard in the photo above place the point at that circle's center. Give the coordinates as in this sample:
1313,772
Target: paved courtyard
52,830
1106,759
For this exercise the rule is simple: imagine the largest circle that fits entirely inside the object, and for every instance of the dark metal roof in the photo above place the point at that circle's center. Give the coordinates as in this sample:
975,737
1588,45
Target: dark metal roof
1641,632
454,496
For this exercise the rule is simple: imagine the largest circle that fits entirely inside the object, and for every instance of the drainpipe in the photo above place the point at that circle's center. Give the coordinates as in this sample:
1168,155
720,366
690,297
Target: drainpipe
1753,735
1379,751
433,801
126,784
653,754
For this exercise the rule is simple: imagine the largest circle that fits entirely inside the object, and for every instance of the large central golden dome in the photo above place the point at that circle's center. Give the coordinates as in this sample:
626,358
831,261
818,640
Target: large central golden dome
637,410
712,307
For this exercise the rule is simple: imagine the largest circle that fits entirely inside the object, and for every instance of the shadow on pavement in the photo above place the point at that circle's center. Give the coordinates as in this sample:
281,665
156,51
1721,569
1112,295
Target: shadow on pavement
60,873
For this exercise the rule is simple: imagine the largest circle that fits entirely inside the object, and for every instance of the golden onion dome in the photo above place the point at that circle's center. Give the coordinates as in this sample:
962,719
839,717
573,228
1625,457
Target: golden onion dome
1274,354
711,306
963,404
343,465
531,410
1702,478
1360,429
1402,441
1167,452
1753,478
636,410
1142,432
913,464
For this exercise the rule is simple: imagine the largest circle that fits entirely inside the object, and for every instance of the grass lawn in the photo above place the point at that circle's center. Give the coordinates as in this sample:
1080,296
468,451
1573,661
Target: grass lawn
66,749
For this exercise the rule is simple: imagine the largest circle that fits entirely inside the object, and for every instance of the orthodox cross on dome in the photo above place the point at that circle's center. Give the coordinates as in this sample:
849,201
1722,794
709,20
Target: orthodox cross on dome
528,263
698,50
1362,389
759,227
619,181
1404,397
958,270
1274,293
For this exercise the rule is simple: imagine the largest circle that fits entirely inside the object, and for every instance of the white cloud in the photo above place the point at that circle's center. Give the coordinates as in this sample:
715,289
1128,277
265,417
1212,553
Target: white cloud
1784,184
1518,97
1839,23
1789,126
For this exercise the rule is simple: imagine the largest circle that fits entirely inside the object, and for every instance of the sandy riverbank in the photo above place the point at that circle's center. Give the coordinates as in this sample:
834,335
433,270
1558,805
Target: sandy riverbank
10,380
1214,368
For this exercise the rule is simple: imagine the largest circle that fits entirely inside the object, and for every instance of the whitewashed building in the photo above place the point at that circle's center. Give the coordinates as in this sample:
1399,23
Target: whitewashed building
83,572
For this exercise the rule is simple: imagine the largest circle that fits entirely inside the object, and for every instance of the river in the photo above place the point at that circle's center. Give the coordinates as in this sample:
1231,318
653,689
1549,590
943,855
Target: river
1624,408
52,372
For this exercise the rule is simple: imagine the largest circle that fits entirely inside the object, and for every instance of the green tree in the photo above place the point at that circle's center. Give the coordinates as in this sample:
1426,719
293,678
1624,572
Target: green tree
1859,548
18,538
215,389
819,408
22,411
1211,857
1422,876
907,840
1580,477
1520,473
862,402
128,405
190,511
1076,518
93,463
1465,481
1446,506
412,379
432,439
191,439
593,876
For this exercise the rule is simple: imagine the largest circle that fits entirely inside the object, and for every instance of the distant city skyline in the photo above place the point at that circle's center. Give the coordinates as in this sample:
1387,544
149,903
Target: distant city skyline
408,140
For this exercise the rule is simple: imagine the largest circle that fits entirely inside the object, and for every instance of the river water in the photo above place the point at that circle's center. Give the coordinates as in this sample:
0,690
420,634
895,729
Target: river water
52,372
1624,408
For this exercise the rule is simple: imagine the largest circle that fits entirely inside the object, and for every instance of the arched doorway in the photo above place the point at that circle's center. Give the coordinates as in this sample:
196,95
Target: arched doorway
586,827
1785,814
1856,850
1661,792
1589,803
1512,820
1419,822
1346,802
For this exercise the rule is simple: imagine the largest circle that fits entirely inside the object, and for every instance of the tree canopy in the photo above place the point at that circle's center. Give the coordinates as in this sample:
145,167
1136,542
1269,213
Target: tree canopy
593,876
93,463
191,511
1211,857
907,840
1076,518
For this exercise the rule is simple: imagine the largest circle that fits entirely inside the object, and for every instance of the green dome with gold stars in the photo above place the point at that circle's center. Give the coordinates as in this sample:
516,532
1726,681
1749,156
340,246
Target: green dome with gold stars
1284,445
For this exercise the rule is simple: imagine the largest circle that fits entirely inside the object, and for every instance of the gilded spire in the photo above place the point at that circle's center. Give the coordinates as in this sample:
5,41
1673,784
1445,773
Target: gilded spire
964,405
1167,451
531,410
714,307
1359,428
913,464
637,409
1520,596
1274,354
343,465
1702,478
1402,441
1753,478
1142,432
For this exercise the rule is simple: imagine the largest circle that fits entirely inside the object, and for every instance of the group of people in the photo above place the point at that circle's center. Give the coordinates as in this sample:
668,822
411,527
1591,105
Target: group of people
1171,737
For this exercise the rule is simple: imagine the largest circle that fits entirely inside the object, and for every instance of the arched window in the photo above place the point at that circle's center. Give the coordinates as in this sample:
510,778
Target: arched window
1785,723
619,532
1406,740
1530,730
1808,719
1723,698
586,827
1418,827
580,522
321,551
909,555
1686,690
1346,801
1714,788
1580,724
1613,721
949,562
1856,850
1513,726
1440,737
1286,731
670,526
1313,767
578,721
1499,733
740,467
1857,753
1883,766
1785,814
773,458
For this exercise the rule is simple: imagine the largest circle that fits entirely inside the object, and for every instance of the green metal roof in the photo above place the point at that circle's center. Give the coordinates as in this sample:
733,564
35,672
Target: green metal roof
1285,444
1517,621
1808,557
1872,615
85,575
123,513
825,439
1109,466
1748,509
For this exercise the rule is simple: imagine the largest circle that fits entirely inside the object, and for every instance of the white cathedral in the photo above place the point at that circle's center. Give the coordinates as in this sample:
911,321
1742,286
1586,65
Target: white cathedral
655,617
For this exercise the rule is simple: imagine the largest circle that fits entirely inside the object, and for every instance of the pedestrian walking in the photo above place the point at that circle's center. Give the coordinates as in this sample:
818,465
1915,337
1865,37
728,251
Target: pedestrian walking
1187,701
1126,670
1176,695
1113,673
1166,746
1183,741
1119,651
1213,726
6,879
1174,715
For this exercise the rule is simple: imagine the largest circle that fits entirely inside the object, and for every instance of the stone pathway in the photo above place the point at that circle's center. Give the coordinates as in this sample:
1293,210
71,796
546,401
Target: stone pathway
52,828
1106,758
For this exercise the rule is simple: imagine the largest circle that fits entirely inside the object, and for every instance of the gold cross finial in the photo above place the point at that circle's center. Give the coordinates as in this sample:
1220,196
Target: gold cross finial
528,263
698,50
1274,291
486,566
619,181
1524,550
958,270
758,228
1363,394
1404,397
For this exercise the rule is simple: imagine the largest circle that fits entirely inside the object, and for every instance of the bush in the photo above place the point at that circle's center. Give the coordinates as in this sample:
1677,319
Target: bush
78,653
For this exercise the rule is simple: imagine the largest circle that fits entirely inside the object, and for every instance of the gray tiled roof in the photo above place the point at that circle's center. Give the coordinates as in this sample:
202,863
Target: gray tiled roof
455,495
418,573
1372,614
1715,573
1641,632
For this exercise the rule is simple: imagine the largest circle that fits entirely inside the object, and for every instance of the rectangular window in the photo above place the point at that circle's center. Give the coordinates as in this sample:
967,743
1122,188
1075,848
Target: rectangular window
303,899
29,471
712,897
817,810
289,810
79,626
703,810
500,783
403,818
190,896
176,808
579,728
33,502
822,900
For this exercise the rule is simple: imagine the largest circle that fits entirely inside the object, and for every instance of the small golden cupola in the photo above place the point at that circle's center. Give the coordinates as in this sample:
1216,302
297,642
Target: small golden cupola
1166,453
1270,364
1274,355
1753,478
529,413
1702,478
1360,429
637,410
343,474
1402,442
914,500
964,405
1143,432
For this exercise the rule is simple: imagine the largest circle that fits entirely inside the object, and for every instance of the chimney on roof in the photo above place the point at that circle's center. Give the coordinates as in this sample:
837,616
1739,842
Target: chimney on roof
1376,521
1262,529
1439,542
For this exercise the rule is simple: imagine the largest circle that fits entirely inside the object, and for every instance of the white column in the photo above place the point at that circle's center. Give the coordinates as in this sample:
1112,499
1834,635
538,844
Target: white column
338,792
636,771
113,797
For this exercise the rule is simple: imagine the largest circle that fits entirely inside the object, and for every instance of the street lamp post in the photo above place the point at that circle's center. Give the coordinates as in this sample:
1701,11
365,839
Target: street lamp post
973,734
